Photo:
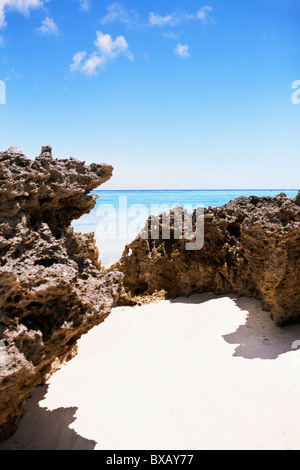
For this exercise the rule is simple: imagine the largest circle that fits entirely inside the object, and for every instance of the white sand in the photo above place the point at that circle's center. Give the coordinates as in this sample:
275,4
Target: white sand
206,372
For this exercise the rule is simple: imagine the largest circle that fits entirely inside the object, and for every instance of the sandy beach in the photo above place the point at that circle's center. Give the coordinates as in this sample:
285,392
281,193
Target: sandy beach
207,372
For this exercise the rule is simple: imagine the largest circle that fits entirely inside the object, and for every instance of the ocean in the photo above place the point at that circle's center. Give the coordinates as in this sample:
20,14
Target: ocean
118,216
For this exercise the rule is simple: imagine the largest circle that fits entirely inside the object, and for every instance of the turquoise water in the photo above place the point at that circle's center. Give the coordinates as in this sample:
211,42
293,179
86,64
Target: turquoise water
119,215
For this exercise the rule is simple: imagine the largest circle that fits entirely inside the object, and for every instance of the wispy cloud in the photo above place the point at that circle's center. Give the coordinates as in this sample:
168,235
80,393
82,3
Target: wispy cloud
175,18
77,60
117,12
171,35
106,51
49,27
269,34
12,75
178,17
204,13
84,5
182,50
158,20
2,41
21,6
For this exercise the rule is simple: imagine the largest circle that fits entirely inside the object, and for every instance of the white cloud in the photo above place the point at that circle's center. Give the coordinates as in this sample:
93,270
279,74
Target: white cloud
77,60
158,20
93,64
108,47
84,5
117,12
21,6
49,27
172,19
203,13
182,50
107,50
178,17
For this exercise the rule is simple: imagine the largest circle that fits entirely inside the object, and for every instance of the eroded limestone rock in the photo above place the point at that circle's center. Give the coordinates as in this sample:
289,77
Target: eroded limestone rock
51,288
251,248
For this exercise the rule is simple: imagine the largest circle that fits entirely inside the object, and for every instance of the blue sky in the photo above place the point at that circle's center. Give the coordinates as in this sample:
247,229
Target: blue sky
173,94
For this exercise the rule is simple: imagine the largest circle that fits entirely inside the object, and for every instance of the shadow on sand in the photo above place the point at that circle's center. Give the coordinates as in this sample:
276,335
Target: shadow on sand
255,337
258,337
41,429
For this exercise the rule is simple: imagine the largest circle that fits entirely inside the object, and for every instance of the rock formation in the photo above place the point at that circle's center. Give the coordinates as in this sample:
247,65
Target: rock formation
251,248
51,288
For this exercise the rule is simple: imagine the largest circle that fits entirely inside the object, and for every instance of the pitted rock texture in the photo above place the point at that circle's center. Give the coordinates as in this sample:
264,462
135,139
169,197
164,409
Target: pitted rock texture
251,248
51,287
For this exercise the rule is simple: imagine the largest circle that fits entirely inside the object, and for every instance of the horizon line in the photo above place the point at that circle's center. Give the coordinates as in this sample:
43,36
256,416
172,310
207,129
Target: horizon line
233,189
